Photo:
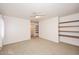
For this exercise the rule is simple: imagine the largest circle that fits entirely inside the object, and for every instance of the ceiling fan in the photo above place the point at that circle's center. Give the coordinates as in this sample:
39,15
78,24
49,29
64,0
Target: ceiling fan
37,15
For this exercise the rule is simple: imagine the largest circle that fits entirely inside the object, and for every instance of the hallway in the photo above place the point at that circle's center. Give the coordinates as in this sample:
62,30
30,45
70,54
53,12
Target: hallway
37,46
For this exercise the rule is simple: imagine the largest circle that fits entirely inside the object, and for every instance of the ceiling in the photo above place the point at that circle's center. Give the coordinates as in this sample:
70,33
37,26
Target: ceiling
48,10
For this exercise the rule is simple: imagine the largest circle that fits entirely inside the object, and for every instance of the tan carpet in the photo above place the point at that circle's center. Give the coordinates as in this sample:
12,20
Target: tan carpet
39,47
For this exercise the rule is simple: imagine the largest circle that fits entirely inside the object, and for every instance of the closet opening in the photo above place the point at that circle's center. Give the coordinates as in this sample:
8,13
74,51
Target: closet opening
34,29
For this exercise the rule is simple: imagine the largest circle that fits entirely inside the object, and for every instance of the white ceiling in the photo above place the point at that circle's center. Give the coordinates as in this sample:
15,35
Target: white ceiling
47,9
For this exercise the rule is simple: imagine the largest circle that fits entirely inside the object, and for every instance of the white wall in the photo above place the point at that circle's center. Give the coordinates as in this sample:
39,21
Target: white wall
73,41
48,29
1,30
16,29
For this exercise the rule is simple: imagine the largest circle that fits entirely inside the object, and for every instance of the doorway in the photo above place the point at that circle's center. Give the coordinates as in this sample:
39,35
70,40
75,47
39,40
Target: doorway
34,29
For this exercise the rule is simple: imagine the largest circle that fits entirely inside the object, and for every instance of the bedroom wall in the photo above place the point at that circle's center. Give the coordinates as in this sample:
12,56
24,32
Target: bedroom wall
16,30
48,29
1,30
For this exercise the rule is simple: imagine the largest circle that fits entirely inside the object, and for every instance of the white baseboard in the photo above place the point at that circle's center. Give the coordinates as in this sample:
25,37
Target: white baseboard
49,40
14,42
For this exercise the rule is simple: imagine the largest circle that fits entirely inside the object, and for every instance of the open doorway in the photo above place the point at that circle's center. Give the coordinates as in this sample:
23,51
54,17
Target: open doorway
34,29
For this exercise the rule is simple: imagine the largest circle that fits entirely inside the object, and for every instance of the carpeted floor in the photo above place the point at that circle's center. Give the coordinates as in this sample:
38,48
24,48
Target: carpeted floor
38,46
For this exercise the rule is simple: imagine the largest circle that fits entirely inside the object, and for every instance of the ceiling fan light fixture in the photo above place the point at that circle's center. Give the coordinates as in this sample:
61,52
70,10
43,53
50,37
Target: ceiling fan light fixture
37,16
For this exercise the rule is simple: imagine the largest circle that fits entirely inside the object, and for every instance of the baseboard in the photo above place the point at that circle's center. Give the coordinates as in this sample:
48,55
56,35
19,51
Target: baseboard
50,40
14,42
69,43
